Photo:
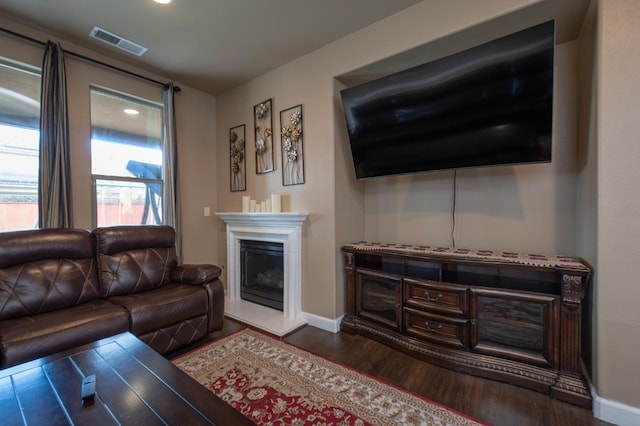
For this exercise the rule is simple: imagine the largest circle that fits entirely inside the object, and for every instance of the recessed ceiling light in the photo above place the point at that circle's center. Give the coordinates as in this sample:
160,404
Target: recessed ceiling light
131,111
163,1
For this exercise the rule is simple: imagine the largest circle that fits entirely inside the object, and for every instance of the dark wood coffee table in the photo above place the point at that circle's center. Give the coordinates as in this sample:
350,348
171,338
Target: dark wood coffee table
134,386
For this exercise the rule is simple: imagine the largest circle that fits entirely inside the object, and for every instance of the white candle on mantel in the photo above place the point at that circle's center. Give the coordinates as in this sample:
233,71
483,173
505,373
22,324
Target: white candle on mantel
252,205
269,209
263,206
276,203
245,203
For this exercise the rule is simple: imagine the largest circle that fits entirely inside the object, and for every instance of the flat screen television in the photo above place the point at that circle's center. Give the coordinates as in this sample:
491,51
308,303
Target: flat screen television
489,105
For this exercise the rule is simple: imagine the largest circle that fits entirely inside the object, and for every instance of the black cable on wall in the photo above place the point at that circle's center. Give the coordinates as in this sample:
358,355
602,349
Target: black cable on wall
453,210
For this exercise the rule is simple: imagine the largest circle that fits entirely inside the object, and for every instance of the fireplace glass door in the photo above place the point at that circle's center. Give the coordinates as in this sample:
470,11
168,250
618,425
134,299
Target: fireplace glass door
262,273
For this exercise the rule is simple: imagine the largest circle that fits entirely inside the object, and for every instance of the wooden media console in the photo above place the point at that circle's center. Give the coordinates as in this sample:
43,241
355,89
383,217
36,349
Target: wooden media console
507,316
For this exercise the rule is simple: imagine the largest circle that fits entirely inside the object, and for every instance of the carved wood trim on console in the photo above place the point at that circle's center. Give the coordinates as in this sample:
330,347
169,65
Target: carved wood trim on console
506,316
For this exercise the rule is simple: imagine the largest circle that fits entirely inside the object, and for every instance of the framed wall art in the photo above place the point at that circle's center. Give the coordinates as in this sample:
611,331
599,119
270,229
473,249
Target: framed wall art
263,130
237,154
291,136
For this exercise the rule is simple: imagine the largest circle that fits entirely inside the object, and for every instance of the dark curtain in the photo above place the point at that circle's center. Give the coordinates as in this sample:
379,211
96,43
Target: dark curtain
171,204
55,181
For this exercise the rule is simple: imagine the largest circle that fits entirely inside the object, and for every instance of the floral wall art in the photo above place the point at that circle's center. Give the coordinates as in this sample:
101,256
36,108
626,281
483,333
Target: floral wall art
263,129
237,152
292,148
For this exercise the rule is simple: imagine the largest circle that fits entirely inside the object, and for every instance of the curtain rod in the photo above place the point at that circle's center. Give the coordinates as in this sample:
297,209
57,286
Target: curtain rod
95,61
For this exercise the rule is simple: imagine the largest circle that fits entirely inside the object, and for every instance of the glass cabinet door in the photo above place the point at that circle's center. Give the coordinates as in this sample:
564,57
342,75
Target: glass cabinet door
518,326
378,297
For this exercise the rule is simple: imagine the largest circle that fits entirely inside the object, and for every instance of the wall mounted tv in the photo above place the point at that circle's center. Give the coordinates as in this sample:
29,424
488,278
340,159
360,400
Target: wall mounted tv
489,105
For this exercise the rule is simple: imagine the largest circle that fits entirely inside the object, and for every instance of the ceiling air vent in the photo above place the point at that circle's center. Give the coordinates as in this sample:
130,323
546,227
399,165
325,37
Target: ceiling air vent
117,41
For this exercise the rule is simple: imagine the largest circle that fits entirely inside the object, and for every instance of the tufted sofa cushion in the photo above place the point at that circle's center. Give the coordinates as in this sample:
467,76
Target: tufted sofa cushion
134,259
30,337
46,270
168,305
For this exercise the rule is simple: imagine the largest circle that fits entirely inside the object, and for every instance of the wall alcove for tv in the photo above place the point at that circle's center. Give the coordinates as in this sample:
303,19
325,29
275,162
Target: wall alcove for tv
432,316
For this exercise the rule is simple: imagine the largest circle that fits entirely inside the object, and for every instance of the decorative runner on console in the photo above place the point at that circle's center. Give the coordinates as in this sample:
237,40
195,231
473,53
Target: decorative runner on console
543,260
275,383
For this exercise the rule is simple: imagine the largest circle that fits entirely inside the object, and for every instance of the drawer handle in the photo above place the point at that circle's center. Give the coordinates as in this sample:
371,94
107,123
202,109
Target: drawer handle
435,330
433,299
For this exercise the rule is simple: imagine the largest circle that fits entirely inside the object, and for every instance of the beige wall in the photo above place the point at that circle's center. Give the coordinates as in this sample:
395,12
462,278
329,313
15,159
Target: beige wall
349,198
518,208
195,115
555,207
291,86
604,175
618,227
587,185
336,203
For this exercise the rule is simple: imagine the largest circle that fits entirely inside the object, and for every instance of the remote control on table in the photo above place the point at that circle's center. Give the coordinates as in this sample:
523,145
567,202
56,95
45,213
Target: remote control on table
88,391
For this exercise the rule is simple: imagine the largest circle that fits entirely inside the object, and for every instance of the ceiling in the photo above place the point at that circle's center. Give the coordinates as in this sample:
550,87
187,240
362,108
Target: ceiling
215,45
211,45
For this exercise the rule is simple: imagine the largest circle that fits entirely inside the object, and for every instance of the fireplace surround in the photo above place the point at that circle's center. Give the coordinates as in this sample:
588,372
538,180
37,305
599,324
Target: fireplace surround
284,228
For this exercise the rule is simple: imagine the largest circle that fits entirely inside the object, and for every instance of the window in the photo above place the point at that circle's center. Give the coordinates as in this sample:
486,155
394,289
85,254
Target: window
126,159
19,145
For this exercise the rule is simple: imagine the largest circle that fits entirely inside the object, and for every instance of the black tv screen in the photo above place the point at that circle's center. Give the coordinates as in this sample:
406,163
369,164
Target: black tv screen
489,105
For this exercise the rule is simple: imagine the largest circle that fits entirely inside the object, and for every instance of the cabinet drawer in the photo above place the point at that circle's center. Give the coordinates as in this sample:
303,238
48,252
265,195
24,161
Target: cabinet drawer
452,332
437,297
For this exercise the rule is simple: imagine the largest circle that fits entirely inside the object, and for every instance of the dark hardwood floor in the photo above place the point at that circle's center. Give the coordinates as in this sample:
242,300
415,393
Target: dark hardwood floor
486,400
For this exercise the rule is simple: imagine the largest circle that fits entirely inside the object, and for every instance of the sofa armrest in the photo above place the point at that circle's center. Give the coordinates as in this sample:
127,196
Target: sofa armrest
215,293
195,274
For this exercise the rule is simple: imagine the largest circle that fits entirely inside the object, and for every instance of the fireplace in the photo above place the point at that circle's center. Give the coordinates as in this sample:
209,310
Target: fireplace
284,229
262,273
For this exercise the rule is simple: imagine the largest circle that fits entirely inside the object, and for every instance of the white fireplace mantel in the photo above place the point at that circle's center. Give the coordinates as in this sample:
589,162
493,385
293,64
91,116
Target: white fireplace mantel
277,220
285,228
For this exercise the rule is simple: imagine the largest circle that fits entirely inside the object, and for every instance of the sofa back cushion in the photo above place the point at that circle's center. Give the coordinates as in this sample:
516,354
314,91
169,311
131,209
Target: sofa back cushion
132,259
43,270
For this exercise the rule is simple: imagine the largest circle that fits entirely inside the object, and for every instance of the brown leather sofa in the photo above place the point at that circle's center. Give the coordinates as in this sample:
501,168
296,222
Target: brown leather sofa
61,288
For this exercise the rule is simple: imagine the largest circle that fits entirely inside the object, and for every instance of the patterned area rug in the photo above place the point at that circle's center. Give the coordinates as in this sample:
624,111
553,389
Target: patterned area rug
275,383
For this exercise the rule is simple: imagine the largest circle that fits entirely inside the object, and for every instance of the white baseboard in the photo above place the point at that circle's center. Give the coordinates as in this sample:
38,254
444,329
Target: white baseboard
615,412
326,324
